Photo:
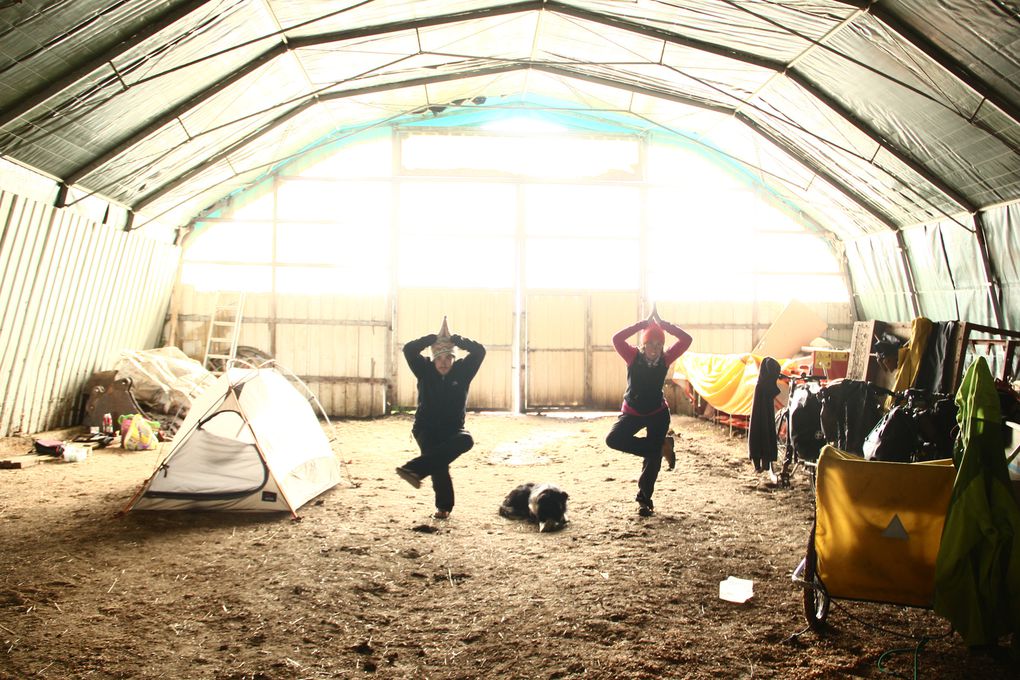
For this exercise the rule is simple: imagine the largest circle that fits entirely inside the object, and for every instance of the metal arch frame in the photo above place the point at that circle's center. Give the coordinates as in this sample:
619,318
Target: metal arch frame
113,150
305,104
556,6
967,77
41,94
169,115
198,168
281,47
924,45
799,157
803,159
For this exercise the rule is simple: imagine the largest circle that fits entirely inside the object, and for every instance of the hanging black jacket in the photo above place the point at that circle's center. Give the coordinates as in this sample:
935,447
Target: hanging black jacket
442,399
761,437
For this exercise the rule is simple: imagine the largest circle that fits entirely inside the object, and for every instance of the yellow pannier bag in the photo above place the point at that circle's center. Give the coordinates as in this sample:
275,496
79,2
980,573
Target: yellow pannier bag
878,526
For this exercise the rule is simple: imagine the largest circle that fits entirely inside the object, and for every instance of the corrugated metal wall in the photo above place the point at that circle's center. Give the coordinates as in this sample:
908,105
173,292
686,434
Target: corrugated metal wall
343,349
557,350
337,345
571,359
73,295
736,327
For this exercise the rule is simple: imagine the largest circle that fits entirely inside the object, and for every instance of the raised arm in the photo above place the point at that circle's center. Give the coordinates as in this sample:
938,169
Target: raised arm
476,353
413,350
683,341
626,350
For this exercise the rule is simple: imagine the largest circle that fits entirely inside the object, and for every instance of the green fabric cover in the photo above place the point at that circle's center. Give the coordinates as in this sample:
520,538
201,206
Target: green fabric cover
977,571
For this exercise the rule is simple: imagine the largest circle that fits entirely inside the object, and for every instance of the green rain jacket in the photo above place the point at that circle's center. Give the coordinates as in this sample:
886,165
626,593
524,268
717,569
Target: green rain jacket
977,571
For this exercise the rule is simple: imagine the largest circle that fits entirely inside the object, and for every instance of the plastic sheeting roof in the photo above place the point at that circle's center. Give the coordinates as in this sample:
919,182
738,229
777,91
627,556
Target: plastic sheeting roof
871,116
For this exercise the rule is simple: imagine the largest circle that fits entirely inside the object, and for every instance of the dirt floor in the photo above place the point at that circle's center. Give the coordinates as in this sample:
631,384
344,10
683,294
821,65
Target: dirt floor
367,584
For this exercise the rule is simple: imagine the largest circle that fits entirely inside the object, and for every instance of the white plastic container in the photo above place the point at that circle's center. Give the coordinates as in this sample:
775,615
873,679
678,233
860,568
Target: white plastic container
74,453
734,589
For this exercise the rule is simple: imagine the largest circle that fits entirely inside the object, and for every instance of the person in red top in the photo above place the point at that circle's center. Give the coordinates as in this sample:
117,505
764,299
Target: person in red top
644,405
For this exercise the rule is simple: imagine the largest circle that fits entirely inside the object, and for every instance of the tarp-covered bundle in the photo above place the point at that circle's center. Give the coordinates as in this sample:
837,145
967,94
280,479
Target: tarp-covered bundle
250,443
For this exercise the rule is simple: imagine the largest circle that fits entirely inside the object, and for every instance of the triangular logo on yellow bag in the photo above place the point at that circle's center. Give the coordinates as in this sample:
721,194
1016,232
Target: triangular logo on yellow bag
895,529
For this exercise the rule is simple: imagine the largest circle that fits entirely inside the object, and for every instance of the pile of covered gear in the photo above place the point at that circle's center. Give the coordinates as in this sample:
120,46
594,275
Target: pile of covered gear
158,384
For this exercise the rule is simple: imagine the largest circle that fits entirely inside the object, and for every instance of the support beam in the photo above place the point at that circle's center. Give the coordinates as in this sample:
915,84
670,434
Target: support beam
992,282
658,93
60,200
205,163
414,24
875,136
923,44
819,170
666,36
908,273
51,88
166,117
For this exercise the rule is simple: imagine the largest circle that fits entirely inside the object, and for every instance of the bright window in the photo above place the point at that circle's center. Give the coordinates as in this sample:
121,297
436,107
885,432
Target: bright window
540,156
574,264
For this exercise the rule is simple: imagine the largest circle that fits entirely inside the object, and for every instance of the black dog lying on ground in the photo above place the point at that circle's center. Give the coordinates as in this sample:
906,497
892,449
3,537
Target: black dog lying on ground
544,504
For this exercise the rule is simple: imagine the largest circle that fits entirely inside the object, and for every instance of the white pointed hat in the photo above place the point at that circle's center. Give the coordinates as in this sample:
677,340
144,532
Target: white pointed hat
444,343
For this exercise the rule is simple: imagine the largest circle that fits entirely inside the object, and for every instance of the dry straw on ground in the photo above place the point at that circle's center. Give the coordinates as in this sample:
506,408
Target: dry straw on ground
367,584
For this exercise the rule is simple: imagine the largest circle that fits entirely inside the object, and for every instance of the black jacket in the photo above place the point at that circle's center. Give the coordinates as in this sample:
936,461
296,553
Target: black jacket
442,399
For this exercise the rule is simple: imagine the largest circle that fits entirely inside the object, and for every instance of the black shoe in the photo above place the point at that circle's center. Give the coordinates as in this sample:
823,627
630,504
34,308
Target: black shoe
645,511
409,477
645,506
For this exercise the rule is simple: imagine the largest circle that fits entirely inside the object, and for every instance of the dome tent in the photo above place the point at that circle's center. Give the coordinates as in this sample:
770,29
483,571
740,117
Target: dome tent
250,443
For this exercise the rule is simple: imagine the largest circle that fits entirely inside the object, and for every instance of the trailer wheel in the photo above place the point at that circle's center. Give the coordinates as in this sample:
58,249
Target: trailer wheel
816,599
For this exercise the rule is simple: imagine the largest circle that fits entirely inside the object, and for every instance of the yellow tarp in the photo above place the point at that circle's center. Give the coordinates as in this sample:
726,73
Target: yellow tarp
726,381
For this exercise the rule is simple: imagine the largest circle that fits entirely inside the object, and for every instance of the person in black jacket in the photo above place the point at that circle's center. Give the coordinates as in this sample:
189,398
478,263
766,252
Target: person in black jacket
439,420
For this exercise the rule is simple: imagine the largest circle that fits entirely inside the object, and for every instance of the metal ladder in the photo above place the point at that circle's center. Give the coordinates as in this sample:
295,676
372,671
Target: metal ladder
224,328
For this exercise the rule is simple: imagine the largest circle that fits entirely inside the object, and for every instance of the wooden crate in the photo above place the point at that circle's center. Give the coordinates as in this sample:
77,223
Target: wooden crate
863,364
1006,341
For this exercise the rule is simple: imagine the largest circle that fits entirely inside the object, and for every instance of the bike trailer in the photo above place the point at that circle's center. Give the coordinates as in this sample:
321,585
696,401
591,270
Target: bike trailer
878,527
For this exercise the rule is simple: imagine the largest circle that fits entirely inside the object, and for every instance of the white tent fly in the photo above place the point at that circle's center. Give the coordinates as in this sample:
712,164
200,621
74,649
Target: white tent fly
250,443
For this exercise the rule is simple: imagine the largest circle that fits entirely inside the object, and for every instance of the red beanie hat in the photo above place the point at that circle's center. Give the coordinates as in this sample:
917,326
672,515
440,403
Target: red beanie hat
652,332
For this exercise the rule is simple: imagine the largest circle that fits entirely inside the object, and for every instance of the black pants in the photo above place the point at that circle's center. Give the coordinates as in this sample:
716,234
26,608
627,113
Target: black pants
621,437
437,452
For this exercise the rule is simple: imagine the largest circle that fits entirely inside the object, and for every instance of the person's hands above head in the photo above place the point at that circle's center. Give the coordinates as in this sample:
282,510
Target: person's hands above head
457,340
654,316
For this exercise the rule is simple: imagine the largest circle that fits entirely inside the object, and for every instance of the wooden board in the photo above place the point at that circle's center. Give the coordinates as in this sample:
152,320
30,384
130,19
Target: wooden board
18,462
796,326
